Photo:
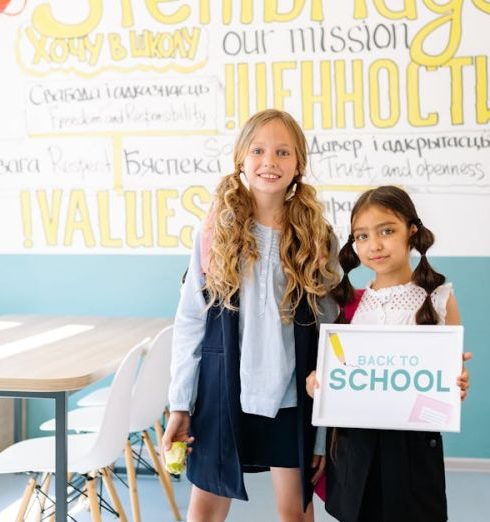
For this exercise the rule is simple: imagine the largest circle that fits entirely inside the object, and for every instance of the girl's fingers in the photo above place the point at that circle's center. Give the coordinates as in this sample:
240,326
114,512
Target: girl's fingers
311,384
318,462
315,461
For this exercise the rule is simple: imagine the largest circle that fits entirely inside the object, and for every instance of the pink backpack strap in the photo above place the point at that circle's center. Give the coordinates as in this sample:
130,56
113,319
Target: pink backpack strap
350,308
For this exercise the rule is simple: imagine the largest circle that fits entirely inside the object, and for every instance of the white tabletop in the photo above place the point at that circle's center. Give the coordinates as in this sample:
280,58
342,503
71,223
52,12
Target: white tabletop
66,353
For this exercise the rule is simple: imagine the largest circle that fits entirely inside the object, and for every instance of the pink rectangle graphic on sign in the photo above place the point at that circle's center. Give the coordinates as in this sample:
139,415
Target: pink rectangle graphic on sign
431,411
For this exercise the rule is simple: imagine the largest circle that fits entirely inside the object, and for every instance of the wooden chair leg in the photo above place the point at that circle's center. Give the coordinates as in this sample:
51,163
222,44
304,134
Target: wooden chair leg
109,485
93,500
132,483
26,497
39,507
163,475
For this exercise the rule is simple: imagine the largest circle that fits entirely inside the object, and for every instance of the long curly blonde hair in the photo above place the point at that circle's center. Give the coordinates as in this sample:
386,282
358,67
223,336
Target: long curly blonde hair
304,240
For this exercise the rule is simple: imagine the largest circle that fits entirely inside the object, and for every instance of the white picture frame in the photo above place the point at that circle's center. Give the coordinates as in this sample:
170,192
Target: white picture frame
389,377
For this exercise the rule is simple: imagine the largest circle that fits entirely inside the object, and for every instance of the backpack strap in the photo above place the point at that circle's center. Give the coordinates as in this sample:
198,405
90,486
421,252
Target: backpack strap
350,308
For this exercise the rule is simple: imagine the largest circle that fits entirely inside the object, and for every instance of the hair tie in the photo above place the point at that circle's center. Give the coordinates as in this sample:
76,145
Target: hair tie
417,222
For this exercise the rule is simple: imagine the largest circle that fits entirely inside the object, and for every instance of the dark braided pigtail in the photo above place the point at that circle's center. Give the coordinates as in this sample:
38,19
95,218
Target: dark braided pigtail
424,275
343,293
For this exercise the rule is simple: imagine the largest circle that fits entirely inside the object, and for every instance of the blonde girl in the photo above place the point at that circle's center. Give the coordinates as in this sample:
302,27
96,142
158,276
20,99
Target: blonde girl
245,333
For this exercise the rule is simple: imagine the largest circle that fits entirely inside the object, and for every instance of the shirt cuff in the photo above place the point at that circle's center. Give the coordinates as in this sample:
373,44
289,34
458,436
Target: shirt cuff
179,407
320,441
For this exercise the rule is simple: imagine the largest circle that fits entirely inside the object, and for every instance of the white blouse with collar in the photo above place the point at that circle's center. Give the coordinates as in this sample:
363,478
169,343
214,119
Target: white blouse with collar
399,304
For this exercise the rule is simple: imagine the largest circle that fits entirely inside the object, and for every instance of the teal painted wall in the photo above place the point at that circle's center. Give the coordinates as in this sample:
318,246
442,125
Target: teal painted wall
149,286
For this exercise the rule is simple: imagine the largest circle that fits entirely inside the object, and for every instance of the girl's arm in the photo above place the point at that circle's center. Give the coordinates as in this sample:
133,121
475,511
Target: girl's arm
189,328
452,312
453,318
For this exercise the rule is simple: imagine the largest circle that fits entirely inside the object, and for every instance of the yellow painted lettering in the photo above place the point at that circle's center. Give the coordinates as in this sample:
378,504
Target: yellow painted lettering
415,117
271,11
26,212
145,239
409,10
103,204
227,11
50,214
456,67
279,92
139,44
78,220
482,107
243,96
483,5
204,12
317,14
192,40
343,97
166,45
324,99
39,46
450,14
45,23
76,47
127,13
246,11
376,99
58,51
177,17
118,52
360,9
261,86
165,240
95,48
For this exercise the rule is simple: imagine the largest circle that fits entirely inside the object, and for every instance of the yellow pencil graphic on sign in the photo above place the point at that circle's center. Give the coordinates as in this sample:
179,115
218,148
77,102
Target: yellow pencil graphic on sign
337,347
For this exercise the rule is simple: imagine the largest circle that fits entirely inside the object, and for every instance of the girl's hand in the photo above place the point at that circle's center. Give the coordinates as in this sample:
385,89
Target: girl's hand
463,379
318,463
177,430
311,384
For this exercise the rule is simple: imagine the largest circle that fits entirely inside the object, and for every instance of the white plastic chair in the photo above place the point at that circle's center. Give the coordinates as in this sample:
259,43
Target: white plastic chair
148,402
89,453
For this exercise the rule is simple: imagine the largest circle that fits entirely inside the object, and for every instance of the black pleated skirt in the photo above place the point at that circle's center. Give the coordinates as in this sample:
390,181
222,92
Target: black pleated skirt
270,442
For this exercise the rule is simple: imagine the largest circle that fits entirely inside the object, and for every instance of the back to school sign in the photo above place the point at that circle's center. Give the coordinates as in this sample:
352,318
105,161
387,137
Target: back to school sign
389,377
119,117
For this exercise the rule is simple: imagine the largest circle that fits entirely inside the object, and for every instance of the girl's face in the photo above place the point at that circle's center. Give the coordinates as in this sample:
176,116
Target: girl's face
382,243
270,162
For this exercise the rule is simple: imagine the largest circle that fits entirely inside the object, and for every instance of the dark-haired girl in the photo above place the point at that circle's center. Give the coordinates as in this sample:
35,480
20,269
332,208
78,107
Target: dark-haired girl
388,475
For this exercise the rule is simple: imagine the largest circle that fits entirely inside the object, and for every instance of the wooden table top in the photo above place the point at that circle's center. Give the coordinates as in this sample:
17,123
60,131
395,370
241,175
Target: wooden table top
66,353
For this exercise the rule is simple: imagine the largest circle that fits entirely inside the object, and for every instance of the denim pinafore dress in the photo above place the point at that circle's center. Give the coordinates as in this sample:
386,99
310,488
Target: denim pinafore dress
214,464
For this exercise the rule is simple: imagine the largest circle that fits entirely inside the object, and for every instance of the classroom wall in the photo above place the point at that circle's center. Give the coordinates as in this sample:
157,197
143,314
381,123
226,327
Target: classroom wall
149,286
118,119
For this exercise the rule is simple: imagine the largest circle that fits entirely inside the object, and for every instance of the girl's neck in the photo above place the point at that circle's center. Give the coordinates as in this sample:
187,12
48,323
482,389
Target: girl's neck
269,214
387,280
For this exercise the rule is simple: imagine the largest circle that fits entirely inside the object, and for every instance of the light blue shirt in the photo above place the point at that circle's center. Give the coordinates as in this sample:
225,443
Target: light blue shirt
267,349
